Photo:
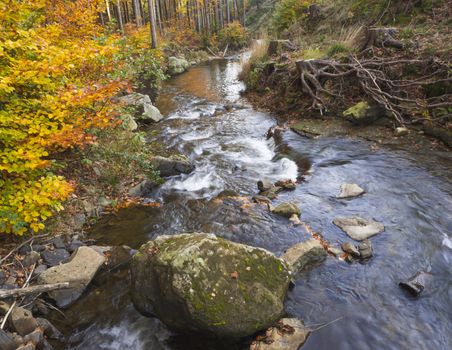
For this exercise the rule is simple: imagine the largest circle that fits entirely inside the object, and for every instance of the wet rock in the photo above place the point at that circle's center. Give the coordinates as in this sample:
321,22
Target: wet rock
416,284
177,65
31,258
286,185
49,329
271,193
261,199
400,131
205,284
295,219
364,114
54,257
358,228
264,185
350,190
351,249
6,341
287,209
79,272
173,165
365,249
23,321
288,334
335,251
304,255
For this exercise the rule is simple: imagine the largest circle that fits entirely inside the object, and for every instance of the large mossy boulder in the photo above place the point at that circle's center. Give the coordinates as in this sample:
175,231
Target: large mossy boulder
204,284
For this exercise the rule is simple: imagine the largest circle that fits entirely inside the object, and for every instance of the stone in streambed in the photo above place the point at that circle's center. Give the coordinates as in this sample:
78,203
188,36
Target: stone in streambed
287,209
350,190
305,254
79,272
416,284
365,249
358,228
351,249
264,185
173,165
288,334
205,284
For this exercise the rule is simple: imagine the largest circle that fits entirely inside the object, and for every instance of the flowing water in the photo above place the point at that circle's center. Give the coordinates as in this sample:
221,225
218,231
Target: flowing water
410,193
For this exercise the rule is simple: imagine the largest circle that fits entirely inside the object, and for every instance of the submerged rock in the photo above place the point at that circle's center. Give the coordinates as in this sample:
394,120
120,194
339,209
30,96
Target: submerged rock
79,272
288,334
416,284
173,165
287,209
205,284
305,254
350,190
358,228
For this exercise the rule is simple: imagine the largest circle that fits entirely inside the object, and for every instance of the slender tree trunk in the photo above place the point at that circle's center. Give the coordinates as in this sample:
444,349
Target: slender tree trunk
159,16
107,5
244,12
120,20
138,21
152,24
228,12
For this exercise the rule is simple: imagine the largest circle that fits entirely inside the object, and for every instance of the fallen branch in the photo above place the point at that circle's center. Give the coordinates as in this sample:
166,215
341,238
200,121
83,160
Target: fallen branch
20,292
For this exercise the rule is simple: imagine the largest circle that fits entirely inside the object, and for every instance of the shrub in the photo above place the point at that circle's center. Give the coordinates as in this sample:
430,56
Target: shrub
288,12
234,35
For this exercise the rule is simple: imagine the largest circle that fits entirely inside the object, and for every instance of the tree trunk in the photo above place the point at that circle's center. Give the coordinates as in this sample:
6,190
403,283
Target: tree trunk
120,20
152,24
107,5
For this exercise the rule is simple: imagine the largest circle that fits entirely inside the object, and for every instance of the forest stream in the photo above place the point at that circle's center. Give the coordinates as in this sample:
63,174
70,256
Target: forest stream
207,119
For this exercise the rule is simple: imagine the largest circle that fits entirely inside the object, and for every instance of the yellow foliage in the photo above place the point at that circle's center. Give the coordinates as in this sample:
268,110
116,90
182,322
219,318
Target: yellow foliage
56,82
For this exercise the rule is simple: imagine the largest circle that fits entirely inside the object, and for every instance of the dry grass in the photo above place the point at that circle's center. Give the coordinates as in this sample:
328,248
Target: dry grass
258,53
